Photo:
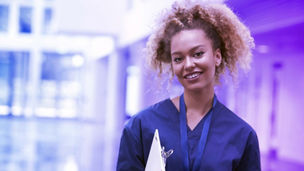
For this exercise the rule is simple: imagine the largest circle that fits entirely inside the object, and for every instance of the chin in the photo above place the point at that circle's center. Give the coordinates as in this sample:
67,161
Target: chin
194,88
197,87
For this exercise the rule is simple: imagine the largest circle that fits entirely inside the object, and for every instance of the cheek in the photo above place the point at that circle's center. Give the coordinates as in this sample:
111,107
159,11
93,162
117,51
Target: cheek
208,66
212,67
175,69
213,70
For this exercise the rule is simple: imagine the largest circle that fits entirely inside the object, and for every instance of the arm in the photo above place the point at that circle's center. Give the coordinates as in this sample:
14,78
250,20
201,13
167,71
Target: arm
251,158
130,155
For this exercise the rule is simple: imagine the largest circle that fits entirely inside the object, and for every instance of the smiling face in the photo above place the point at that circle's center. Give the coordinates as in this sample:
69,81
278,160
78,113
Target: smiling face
194,60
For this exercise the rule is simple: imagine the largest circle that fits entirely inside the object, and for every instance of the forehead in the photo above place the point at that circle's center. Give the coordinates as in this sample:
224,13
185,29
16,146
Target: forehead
187,39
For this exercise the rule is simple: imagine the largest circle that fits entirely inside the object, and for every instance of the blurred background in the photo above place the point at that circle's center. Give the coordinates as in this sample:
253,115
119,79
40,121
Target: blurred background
73,71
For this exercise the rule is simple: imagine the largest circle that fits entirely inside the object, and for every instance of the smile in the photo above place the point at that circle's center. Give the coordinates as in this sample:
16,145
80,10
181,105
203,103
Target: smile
192,75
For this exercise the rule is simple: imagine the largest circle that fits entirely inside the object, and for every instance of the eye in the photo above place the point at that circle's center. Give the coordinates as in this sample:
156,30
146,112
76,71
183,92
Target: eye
177,59
198,54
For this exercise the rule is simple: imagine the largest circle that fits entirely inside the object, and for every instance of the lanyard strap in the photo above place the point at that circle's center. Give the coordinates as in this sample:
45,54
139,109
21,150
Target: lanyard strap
184,137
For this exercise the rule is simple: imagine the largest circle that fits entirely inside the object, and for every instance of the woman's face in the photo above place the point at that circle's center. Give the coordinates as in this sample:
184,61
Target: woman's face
193,59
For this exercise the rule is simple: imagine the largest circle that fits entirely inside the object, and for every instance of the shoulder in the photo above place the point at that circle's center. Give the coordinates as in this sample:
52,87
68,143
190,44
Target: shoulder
155,113
228,120
141,127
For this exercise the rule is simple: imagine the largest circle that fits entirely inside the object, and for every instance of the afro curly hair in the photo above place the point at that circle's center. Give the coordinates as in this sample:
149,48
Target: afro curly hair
221,26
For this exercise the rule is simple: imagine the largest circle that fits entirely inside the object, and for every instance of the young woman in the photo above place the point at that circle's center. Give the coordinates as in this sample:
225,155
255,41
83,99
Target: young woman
198,43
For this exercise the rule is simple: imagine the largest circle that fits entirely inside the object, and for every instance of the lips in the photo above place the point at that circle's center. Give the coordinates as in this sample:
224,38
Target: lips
192,75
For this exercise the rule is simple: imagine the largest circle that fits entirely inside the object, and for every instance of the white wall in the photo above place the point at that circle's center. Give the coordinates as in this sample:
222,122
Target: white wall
291,107
289,137
90,16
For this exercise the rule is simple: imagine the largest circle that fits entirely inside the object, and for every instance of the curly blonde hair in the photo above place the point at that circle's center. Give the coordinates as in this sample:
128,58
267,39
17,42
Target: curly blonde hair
221,26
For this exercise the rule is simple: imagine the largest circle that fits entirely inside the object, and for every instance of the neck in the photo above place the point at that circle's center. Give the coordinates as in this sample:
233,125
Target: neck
198,103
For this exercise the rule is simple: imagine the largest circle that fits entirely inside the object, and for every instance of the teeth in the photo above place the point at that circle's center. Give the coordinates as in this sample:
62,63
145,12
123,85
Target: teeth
192,75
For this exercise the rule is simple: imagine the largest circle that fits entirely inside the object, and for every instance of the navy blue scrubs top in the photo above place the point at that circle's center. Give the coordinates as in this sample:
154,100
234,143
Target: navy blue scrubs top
231,143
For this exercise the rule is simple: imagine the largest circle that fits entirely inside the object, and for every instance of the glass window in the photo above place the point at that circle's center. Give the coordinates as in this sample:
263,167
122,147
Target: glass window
20,81
4,18
13,82
47,19
25,20
60,86
4,82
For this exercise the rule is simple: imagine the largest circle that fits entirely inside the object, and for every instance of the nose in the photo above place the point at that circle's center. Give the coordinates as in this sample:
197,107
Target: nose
189,63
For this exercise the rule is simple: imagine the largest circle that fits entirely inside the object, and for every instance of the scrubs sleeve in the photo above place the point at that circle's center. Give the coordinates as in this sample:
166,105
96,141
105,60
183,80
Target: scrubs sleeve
130,155
251,158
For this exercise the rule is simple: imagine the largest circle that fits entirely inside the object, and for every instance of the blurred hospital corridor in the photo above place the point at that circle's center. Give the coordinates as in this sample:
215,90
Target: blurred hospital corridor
72,72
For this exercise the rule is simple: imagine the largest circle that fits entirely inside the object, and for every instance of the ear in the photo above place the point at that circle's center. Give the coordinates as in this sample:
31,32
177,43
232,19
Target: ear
217,57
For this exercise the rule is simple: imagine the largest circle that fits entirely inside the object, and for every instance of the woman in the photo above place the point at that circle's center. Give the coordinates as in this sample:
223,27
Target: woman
197,42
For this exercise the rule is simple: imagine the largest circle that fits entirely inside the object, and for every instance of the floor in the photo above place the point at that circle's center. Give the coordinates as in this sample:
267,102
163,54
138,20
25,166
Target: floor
50,145
70,145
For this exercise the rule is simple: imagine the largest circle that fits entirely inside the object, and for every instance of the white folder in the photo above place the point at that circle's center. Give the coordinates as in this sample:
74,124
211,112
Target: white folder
155,161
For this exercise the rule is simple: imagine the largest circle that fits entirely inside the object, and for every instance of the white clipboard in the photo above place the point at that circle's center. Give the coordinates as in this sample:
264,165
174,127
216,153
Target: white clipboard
155,161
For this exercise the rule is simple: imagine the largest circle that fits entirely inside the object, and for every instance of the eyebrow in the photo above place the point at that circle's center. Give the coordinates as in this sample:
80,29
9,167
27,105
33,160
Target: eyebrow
191,50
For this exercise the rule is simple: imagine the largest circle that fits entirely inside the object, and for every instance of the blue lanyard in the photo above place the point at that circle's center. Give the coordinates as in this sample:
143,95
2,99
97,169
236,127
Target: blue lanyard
184,137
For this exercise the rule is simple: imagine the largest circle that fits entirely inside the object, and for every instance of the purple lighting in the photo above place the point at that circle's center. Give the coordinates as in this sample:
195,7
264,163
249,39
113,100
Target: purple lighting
67,86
